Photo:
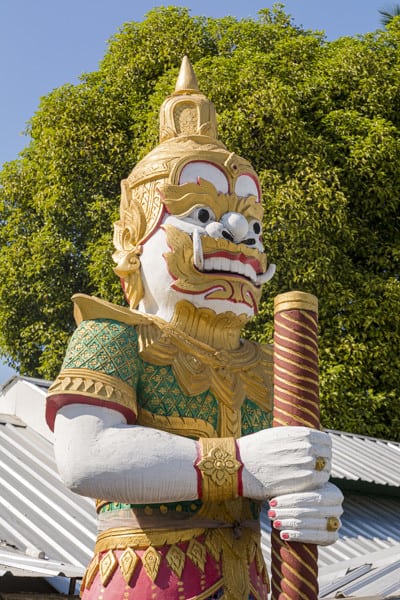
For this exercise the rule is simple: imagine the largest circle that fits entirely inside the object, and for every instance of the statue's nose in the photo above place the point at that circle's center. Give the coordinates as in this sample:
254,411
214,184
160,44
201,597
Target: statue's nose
236,224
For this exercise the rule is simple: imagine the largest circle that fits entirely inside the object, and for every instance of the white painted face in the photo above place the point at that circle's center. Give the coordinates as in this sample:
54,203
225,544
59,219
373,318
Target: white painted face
211,253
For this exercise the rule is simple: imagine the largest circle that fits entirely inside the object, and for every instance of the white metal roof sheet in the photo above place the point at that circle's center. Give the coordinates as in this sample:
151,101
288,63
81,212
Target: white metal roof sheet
19,564
361,458
38,512
376,575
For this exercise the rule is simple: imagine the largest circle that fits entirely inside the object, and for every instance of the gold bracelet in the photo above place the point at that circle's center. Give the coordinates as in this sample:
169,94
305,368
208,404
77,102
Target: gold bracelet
219,469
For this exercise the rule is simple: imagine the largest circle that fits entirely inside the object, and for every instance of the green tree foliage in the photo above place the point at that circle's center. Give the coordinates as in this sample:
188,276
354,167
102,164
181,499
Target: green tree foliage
319,120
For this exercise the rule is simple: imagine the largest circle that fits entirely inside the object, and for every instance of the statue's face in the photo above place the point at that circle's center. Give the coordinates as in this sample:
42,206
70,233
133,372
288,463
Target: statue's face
208,247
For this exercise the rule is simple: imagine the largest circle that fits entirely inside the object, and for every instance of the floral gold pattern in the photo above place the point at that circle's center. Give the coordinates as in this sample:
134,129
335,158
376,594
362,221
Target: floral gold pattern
219,469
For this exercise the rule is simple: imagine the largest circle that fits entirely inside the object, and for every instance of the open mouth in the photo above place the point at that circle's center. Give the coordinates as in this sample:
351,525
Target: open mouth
229,261
234,264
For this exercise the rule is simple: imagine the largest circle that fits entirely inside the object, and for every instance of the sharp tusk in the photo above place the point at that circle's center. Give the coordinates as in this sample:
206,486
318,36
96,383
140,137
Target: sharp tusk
198,258
269,273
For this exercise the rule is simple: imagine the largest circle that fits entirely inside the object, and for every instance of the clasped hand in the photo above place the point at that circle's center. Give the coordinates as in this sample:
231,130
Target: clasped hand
290,467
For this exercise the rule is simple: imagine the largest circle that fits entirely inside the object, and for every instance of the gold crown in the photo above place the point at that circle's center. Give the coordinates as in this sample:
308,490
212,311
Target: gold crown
187,111
188,132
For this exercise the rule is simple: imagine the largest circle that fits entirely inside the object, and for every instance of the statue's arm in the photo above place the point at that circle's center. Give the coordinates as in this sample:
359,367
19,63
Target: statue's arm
99,454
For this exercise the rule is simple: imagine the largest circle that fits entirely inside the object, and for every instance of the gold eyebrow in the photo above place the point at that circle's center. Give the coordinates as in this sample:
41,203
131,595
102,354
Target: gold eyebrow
182,199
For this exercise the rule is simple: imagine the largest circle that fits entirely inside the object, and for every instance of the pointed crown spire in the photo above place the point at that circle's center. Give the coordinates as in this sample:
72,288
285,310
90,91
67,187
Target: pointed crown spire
187,112
187,80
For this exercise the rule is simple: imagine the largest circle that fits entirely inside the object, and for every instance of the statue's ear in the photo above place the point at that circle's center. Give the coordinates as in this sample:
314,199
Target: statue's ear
128,232
128,269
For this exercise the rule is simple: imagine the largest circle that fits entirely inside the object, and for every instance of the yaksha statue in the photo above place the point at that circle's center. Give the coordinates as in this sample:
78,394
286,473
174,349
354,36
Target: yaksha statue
161,411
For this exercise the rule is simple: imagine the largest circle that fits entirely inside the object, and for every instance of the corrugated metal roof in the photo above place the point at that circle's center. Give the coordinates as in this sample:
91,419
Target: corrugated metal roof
360,458
20,565
37,512
374,575
21,573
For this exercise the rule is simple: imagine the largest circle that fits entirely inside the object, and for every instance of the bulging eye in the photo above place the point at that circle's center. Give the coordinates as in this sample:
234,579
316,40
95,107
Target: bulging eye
255,227
252,238
201,215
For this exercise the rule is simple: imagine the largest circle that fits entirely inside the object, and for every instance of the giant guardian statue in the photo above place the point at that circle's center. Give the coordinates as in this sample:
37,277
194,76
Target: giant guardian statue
161,411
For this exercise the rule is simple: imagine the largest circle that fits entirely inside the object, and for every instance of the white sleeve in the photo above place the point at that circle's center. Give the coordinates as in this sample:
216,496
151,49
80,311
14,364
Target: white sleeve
100,456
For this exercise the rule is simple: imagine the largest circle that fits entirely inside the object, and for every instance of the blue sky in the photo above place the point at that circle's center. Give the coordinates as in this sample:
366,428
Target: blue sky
46,43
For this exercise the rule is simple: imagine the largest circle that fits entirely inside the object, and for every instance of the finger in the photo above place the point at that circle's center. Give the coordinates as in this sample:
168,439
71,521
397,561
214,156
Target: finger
309,524
323,512
317,536
328,495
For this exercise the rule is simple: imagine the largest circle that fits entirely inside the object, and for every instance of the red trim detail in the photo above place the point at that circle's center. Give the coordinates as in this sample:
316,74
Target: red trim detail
212,289
254,178
156,226
54,403
199,478
240,471
122,282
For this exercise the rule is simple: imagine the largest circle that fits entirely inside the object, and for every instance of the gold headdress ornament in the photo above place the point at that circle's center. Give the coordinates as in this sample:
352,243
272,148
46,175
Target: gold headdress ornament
188,132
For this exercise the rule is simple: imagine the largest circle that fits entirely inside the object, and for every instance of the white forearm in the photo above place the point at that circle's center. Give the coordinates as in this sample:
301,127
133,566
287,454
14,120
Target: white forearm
98,455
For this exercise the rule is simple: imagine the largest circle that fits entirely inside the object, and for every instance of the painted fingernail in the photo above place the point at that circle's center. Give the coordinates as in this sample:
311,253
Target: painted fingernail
285,536
277,524
273,503
271,514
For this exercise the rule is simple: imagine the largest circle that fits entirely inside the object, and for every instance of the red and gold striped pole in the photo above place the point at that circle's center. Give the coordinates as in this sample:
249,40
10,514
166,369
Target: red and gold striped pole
296,402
